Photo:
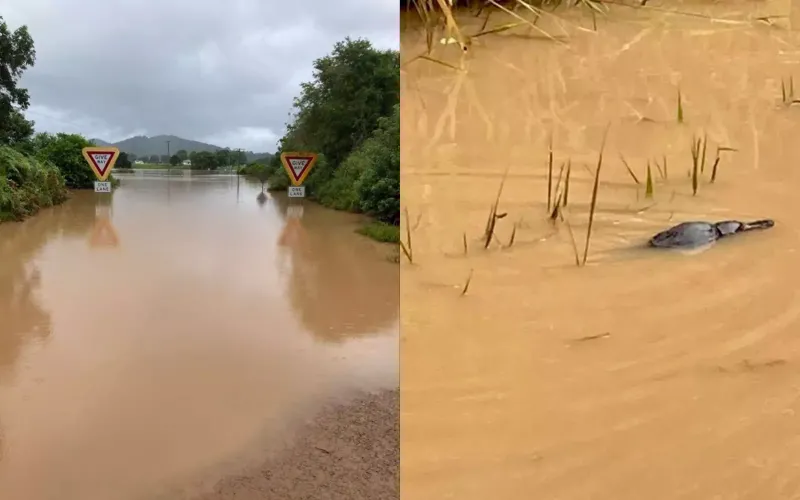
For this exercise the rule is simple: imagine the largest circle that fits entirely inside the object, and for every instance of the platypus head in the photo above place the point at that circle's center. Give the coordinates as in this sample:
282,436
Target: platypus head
728,227
759,224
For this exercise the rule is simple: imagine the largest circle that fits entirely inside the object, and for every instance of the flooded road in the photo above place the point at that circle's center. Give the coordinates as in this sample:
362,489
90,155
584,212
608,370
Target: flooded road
644,374
151,342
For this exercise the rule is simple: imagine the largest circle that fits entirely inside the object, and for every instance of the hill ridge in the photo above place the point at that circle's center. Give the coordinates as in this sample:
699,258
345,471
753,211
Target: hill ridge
144,146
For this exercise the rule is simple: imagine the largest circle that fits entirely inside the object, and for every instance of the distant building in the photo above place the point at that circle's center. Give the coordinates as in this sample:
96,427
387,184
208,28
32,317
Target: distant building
138,162
187,163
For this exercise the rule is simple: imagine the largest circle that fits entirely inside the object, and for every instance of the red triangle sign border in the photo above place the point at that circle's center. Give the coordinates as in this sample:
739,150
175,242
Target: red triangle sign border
90,155
299,175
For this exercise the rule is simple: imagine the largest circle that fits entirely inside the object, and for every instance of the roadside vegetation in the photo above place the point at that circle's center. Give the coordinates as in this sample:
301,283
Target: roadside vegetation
36,170
349,115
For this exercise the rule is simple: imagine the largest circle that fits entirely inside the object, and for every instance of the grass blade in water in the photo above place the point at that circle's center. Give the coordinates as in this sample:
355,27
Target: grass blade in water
630,170
703,154
594,195
550,175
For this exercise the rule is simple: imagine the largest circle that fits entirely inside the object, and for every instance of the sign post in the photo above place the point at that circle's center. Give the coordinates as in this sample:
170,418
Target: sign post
101,160
298,166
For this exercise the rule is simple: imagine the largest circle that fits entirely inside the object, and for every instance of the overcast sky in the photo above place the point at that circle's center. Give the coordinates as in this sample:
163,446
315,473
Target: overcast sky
223,72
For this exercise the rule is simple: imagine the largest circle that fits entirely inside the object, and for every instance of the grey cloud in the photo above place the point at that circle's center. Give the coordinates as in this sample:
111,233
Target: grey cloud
194,68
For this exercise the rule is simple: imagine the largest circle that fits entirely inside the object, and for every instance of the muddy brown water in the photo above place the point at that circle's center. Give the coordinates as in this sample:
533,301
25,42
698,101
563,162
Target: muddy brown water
153,340
644,374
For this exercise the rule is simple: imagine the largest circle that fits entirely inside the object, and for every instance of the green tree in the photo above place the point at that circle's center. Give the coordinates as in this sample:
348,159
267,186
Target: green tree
183,155
17,53
379,184
64,151
223,157
174,160
369,179
204,160
260,172
123,161
353,87
15,130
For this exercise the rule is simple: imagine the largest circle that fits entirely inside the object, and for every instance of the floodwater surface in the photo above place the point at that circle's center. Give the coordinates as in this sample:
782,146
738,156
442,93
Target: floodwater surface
645,373
156,338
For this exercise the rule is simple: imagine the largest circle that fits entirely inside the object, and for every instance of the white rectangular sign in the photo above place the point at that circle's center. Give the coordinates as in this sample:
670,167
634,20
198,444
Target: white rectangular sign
102,187
296,191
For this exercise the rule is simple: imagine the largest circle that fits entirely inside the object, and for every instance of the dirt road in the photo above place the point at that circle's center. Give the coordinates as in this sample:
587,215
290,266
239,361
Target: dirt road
349,452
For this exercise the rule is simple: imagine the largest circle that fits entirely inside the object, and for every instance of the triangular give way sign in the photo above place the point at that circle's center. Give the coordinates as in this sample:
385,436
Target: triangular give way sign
101,160
298,165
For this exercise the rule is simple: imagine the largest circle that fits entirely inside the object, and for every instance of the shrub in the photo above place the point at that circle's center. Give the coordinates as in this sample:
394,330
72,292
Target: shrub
64,151
27,185
380,231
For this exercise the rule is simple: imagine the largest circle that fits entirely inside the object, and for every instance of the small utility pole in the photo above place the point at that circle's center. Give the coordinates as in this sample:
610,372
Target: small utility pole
237,172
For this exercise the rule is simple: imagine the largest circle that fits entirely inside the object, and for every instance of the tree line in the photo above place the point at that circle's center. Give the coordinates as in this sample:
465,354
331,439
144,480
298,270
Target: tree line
36,170
200,160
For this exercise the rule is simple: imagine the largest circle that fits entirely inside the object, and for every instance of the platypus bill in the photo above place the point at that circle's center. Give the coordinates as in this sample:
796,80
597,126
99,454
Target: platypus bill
694,234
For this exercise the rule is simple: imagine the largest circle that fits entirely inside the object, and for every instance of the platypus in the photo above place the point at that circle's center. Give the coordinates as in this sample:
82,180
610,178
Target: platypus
694,234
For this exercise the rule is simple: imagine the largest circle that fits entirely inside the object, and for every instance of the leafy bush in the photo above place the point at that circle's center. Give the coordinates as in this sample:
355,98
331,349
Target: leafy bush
379,185
64,151
27,185
368,180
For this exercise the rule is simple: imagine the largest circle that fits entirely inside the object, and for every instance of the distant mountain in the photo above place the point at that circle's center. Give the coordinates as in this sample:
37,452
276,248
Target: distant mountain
143,146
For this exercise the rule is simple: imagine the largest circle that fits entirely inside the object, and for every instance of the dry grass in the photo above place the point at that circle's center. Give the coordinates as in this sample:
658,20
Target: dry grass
438,17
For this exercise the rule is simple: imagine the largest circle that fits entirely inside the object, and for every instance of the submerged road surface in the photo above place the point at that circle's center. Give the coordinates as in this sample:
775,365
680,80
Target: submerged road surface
156,339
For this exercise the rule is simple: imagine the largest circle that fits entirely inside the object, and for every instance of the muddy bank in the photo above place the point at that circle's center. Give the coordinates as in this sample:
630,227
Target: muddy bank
348,452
